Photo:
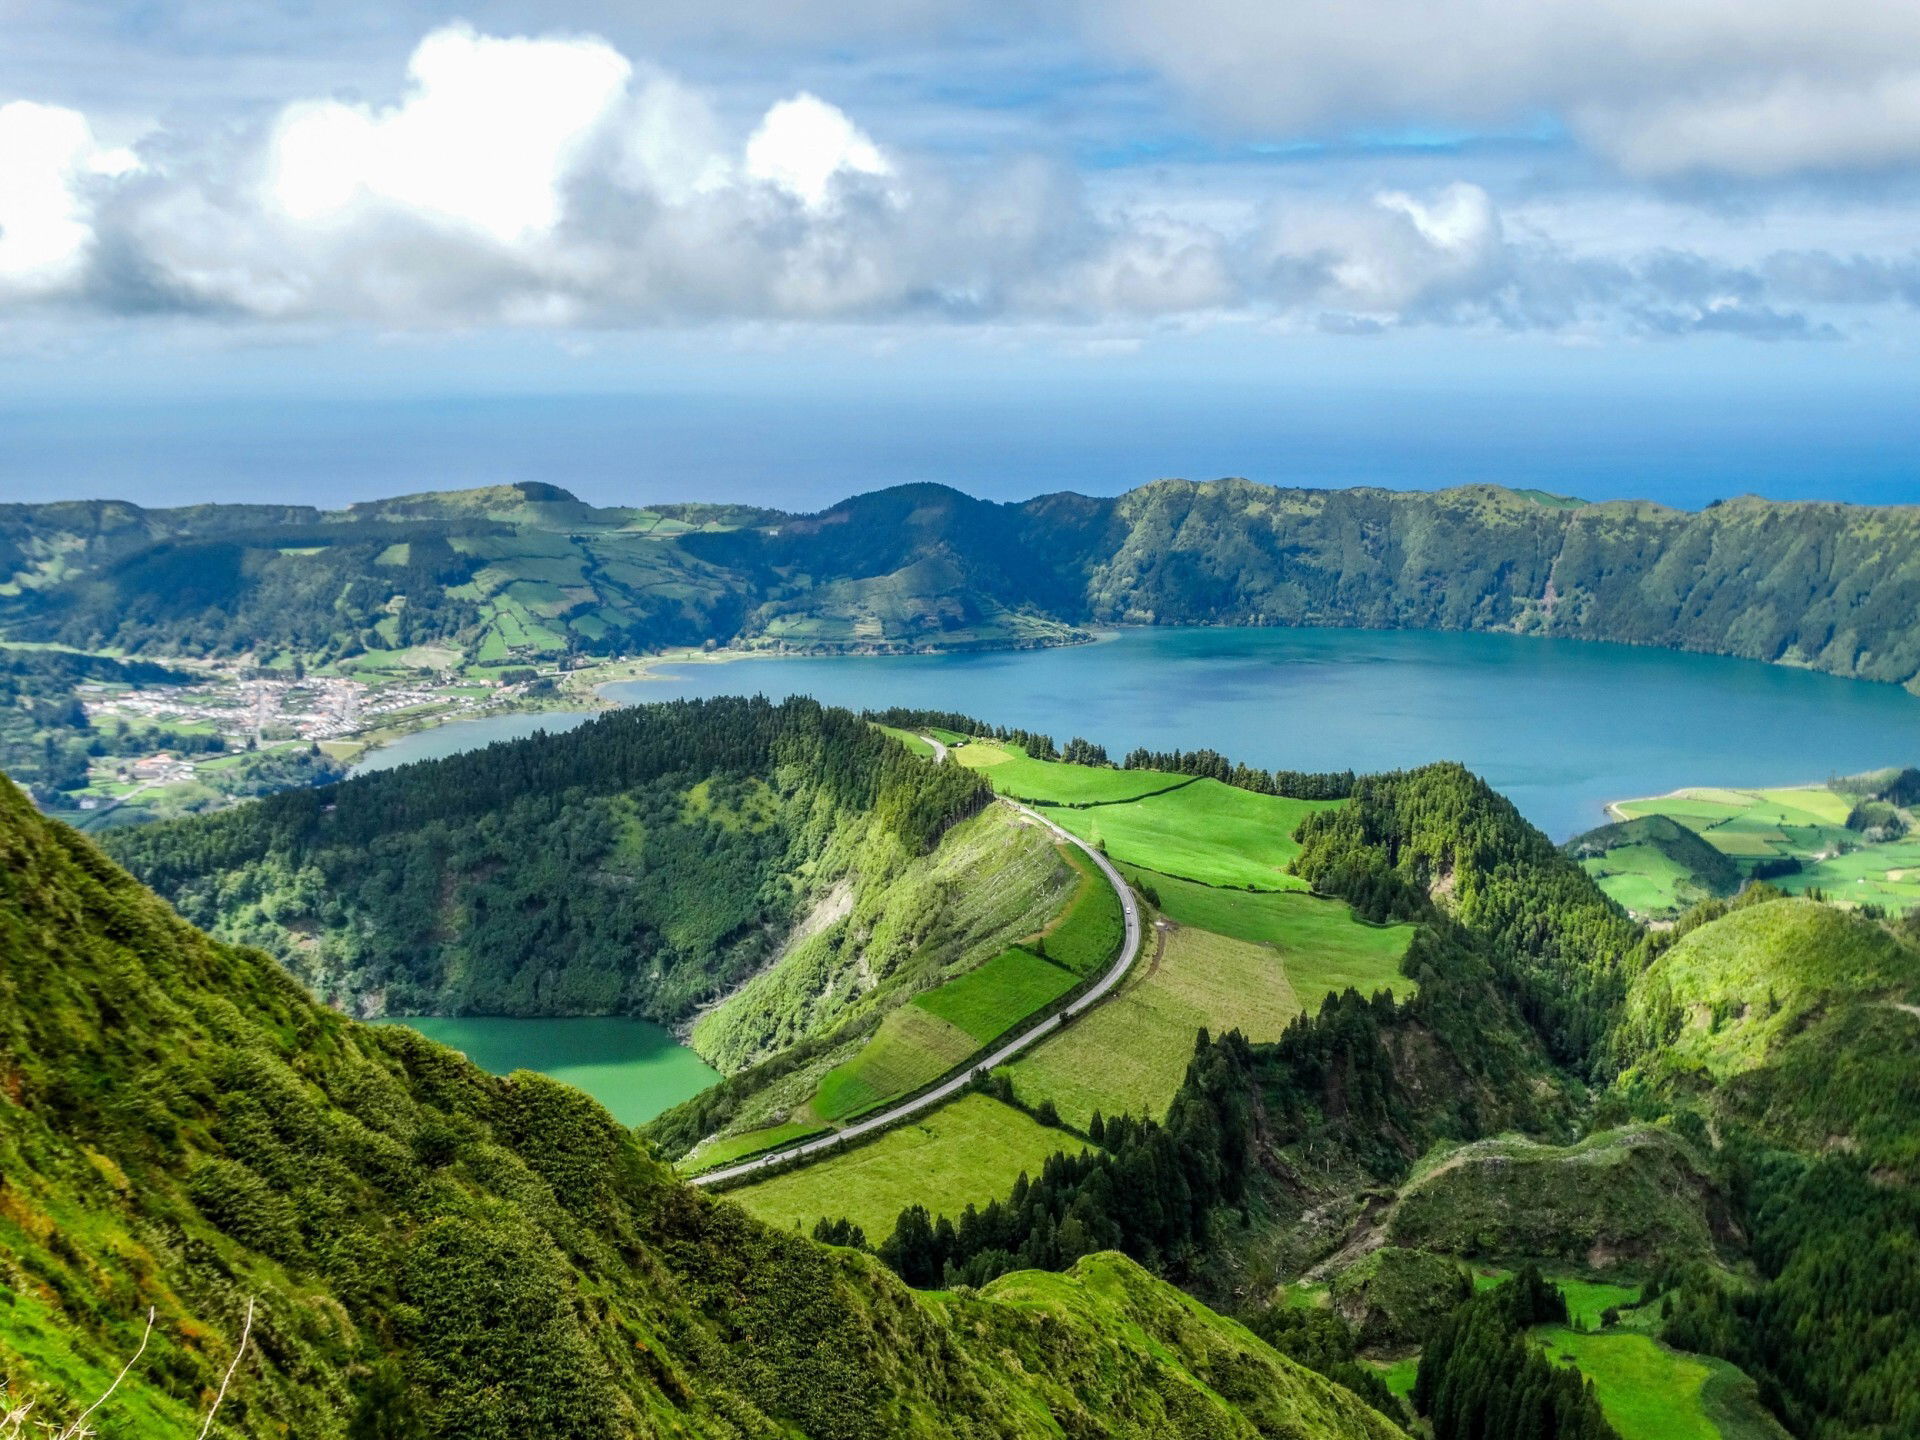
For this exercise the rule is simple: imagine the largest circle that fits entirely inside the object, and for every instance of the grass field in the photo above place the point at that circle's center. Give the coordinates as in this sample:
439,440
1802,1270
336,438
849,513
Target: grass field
1325,949
1642,877
1649,1392
1011,772
1807,824
1086,937
912,1047
907,738
1206,831
1000,993
967,1152
735,1147
1130,1054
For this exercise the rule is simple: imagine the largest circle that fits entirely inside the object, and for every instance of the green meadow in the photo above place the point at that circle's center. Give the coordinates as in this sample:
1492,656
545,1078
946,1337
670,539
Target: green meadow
1803,825
1325,949
1013,773
1207,831
1086,937
1650,1392
1130,1054
911,1048
738,1147
985,1002
965,1153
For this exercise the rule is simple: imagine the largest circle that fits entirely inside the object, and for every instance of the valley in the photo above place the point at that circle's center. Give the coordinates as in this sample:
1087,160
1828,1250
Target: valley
1337,1100
1020,1026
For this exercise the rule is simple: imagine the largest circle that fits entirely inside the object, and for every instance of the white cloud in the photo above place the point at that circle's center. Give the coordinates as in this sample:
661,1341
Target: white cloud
1758,87
555,182
805,146
490,133
47,157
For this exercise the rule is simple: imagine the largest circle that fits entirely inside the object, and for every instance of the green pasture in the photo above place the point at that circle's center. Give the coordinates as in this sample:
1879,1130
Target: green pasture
1643,878
1129,1054
1750,826
911,1048
1050,782
1650,1392
907,738
1086,936
1324,948
988,1000
965,1153
1207,831
1887,875
738,1147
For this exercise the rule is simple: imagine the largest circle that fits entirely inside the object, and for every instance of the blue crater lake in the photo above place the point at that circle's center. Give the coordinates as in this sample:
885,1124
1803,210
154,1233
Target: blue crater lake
1559,726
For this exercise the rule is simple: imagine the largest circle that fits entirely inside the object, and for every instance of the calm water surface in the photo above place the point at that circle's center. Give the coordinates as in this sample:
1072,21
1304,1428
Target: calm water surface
633,1067
1560,726
457,735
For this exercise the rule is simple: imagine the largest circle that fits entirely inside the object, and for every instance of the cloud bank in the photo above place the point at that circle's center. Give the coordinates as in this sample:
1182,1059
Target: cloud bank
554,181
1759,88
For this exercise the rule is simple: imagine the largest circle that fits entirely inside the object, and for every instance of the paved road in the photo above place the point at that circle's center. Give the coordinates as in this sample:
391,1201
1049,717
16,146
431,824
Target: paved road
946,1090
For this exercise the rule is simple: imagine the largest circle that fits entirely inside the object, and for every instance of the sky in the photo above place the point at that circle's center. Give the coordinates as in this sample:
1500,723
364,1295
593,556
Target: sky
784,252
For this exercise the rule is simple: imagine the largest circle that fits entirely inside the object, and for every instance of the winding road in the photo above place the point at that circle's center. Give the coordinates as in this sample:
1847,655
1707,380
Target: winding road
947,1089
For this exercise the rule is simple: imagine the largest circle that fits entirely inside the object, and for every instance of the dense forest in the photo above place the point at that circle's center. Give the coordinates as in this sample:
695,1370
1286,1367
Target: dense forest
231,1212
1481,1379
1834,587
640,864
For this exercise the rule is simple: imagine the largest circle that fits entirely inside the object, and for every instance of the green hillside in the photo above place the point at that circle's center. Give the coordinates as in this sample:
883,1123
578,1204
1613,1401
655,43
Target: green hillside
526,570
641,864
1654,865
1632,1197
428,1250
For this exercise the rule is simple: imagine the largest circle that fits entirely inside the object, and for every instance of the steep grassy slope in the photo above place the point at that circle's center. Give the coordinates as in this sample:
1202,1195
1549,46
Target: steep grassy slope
897,925
437,1252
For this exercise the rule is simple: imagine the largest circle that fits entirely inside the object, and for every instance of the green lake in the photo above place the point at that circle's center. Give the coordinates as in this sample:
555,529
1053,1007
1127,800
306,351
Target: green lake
633,1067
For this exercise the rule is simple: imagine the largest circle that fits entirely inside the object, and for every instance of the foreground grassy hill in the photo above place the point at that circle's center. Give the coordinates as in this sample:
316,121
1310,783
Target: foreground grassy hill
427,1250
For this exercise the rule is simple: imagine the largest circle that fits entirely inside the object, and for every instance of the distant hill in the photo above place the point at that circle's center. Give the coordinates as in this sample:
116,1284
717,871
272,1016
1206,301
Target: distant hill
528,571
427,1250
1673,867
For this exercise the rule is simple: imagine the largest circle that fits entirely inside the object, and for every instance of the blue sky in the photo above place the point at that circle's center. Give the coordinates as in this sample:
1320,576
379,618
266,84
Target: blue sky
787,251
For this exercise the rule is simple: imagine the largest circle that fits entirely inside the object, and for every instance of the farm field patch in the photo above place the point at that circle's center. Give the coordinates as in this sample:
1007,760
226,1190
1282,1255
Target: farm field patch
1207,831
1651,1392
968,1152
1324,948
1050,782
1130,1054
1008,988
1086,936
1794,838
912,1047
737,1147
